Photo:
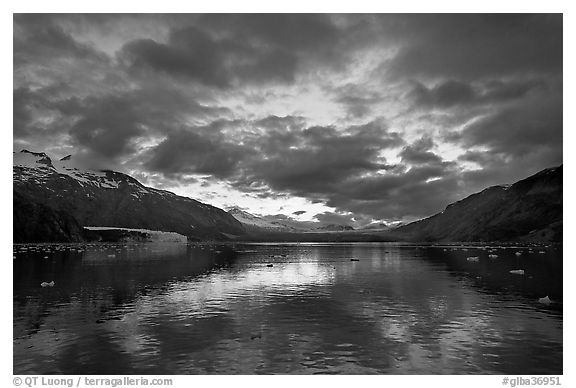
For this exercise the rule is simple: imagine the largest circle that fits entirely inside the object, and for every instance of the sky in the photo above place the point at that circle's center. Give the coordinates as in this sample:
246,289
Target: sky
345,119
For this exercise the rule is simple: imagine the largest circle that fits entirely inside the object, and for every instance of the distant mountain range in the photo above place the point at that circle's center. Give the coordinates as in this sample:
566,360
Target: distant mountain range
253,222
281,223
110,198
530,209
54,199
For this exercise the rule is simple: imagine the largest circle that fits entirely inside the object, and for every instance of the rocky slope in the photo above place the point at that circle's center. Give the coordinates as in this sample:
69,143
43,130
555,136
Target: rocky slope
530,209
109,198
34,222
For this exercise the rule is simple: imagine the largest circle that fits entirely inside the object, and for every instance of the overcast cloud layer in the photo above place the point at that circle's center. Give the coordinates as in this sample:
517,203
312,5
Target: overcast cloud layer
352,118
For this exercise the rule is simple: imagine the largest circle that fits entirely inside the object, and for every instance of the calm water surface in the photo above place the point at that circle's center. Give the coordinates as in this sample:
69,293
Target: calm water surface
286,308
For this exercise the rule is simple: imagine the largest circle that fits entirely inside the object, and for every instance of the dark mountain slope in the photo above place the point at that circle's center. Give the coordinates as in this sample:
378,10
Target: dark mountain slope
530,209
109,198
34,222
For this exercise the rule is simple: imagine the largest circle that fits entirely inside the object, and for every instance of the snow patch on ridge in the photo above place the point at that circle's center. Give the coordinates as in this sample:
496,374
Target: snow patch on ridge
39,166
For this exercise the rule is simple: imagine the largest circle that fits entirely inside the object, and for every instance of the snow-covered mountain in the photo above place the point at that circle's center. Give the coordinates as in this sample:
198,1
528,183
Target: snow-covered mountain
113,199
268,222
282,223
376,226
252,220
383,226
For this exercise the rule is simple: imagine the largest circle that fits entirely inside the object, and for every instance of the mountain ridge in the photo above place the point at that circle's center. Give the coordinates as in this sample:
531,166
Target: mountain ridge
114,199
281,223
529,209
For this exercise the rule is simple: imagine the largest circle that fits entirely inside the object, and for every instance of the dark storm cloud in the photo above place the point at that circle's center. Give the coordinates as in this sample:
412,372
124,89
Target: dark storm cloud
108,125
300,32
444,95
423,184
340,166
281,153
36,121
38,36
517,130
189,52
420,153
516,168
452,93
412,194
344,172
305,36
226,50
514,143
147,88
477,45
195,54
499,78
200,150
23,103
317,159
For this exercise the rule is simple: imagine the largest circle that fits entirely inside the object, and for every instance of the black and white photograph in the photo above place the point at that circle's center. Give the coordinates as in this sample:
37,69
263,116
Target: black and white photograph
287,194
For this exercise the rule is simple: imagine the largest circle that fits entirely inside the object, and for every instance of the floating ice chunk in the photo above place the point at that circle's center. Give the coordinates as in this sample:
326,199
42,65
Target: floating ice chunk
545,300
517,272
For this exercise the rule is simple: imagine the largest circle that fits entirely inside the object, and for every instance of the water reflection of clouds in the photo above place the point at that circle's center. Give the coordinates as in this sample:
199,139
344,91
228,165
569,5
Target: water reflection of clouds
223,288
131,335
313,311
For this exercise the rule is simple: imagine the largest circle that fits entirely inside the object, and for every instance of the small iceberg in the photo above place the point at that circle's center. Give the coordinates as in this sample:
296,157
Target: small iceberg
545,300
517,272
493,256
44,284
473,259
